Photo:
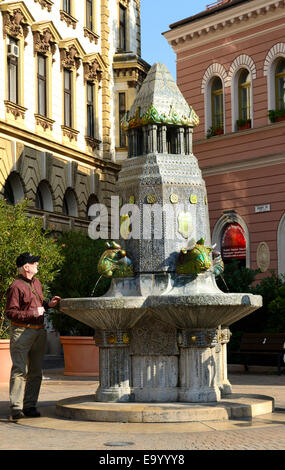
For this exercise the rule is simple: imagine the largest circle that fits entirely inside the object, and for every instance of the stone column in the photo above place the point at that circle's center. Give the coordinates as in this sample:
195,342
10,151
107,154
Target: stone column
152,139
114,363
162,147
225,387
188,140
197,366
145,140
130,146
180,141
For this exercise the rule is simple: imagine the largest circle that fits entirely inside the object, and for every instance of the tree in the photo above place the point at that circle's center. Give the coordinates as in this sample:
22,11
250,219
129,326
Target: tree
78,278
20,233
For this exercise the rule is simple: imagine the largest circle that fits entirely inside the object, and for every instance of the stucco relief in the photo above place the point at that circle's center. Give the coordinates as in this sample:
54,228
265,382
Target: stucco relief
263,256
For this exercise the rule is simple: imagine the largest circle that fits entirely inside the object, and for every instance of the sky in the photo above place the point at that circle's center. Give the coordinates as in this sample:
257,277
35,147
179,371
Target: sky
156,16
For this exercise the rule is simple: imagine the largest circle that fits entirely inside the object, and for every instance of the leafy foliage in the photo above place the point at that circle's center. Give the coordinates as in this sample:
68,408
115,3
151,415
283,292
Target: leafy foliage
78,278
20,233
276,319
270,317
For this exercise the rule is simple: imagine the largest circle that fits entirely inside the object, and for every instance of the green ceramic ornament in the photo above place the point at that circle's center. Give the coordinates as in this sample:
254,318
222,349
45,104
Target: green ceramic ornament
114,262
194,259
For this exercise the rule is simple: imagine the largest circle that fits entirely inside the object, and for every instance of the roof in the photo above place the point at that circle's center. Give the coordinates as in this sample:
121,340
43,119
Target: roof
160,101
211,11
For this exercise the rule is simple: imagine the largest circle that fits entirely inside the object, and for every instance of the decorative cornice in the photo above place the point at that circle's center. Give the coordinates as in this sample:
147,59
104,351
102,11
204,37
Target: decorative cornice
187,32
92,142
45,37
125,3
132,73
70,133
49,144
70,21
15,109
45,4
44,122
16,19
93,67
152,116
71,52
93,37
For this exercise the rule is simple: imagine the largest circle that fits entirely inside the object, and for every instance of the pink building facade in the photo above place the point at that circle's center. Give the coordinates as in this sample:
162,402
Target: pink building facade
231,69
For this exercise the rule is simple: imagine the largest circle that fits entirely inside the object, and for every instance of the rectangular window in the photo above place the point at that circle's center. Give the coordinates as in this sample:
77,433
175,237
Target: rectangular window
122,112
42,85
90,110
13,73
66,6
122,28
89,14
67,98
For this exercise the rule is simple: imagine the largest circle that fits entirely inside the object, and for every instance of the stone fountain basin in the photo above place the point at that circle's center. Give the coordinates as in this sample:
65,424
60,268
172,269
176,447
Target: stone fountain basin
181,311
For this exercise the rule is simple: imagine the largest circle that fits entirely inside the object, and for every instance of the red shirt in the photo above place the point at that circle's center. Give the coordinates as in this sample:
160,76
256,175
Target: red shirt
21,301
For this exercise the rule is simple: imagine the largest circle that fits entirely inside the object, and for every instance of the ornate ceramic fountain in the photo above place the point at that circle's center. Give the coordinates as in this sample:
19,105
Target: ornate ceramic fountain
163,326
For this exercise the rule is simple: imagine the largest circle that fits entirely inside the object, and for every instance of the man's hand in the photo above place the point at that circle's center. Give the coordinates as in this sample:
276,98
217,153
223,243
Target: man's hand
39,312
54,301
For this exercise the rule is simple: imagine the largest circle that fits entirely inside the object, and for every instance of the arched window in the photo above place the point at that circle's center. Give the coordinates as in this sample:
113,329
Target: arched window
280,84
244,91
232,239
70,203
43,199
93,199
217,104
13,189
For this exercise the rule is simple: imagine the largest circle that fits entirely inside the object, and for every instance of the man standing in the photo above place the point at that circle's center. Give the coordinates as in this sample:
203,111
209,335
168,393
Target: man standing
25,309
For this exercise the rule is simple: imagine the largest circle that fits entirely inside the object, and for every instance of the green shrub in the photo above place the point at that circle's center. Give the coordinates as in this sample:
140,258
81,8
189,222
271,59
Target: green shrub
276,318
78,277
270,317
273,114
20,233
237,278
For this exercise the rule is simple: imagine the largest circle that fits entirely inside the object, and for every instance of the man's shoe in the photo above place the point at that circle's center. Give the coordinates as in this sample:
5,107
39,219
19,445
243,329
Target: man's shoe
14,417
31,412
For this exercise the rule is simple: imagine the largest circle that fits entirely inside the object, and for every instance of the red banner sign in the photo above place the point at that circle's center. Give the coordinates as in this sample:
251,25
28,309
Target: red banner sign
233,242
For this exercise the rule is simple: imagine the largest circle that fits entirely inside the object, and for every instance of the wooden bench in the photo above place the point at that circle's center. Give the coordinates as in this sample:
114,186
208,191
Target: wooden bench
262,344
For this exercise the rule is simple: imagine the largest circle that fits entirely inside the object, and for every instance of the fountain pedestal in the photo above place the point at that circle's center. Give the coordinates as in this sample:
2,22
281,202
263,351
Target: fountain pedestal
198,367
162,326
115,366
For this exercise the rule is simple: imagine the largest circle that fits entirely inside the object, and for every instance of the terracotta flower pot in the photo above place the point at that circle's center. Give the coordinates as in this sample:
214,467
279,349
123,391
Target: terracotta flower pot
81,356
244,126
5,361
280,118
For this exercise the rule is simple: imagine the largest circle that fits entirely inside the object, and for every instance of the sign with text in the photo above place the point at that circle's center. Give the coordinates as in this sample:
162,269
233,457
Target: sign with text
233,242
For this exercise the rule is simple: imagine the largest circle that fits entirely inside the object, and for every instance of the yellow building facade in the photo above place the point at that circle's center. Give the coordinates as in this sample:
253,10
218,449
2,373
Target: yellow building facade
70,70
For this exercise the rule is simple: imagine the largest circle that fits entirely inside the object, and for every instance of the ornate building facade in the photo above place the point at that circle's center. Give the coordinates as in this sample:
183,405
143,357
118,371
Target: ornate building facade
70,70
231,69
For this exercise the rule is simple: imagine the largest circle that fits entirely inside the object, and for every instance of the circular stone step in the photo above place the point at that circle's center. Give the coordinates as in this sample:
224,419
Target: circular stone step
85,408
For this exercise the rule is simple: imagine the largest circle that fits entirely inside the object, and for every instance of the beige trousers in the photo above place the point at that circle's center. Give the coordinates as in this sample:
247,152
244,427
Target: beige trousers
27,349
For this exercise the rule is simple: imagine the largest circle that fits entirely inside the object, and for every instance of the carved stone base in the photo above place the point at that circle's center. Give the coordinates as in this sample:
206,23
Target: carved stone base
114,375
155,378
198,375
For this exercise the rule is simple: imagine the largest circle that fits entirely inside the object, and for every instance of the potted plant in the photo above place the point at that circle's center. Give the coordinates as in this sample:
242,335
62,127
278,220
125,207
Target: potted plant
243,124
20,233
214,131
78,278
276,115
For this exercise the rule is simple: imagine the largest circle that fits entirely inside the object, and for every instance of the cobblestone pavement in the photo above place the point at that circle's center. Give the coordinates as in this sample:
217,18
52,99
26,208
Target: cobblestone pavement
266,432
